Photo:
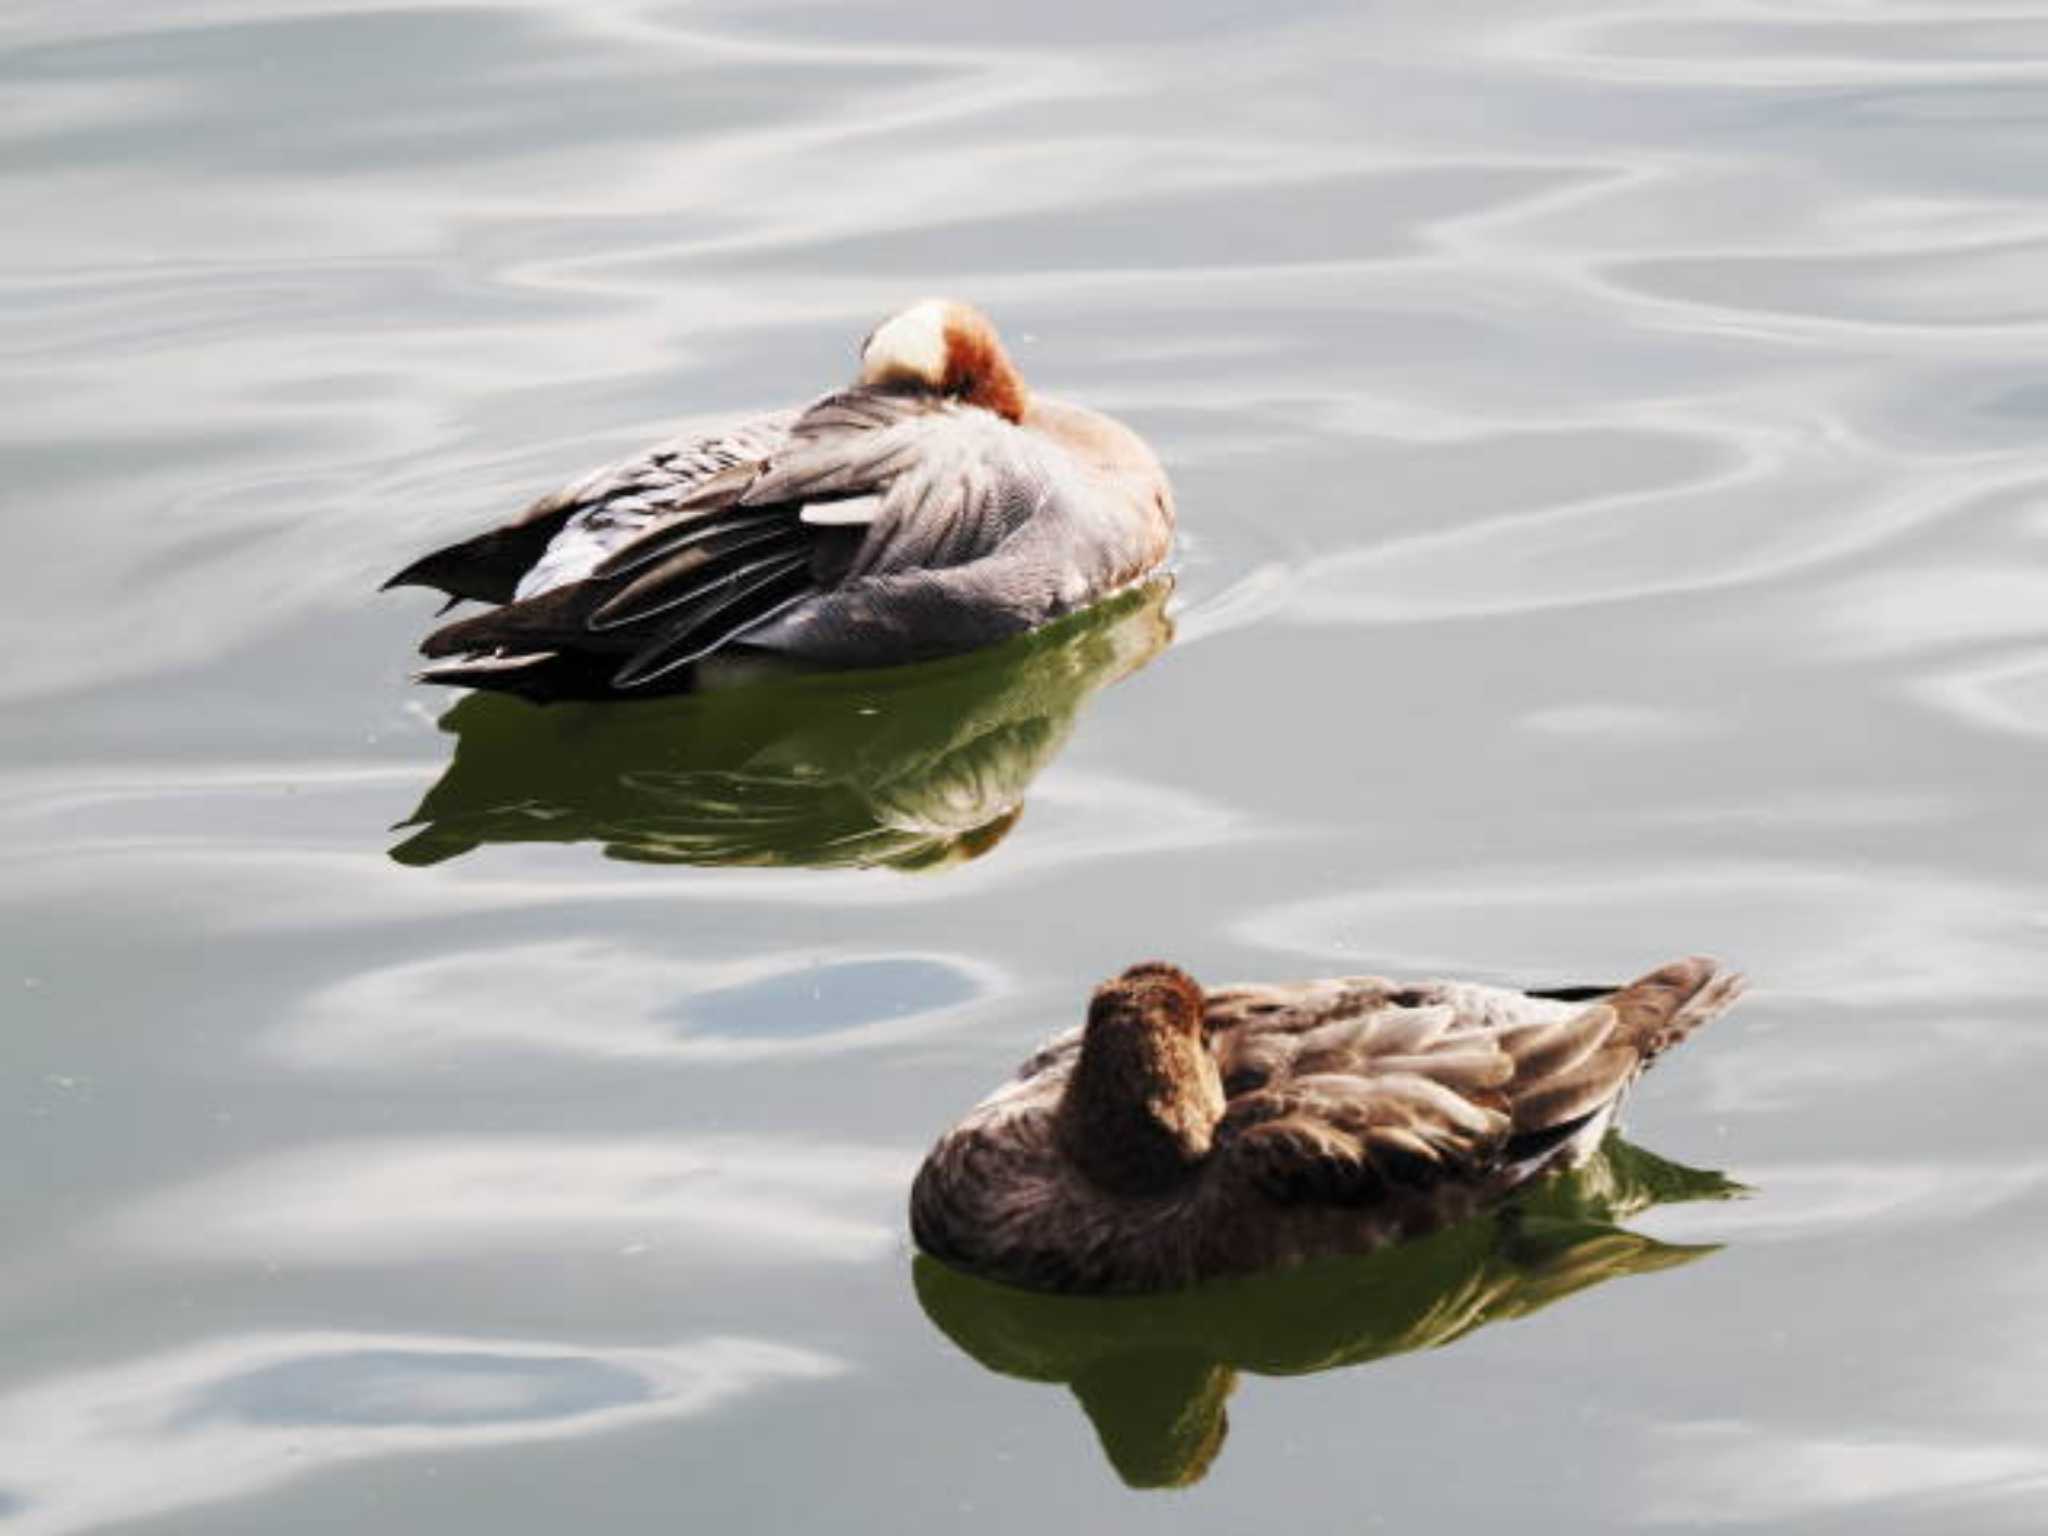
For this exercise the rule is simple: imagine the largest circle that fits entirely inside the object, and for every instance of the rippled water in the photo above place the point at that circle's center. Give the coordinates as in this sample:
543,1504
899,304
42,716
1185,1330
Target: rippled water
1608,444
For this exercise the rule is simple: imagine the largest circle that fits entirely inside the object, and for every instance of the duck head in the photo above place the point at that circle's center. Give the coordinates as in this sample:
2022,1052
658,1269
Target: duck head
1141,1107
943,347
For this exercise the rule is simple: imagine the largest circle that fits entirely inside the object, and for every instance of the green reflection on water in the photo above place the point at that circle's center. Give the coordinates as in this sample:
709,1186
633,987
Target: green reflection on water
917,767
1153,1373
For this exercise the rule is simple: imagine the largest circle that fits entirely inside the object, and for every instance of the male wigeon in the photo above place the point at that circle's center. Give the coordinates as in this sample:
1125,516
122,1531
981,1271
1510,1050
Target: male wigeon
933,507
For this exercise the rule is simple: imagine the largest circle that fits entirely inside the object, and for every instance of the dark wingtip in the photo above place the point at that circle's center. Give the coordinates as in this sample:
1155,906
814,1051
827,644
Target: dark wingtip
480,569
421,573
413,575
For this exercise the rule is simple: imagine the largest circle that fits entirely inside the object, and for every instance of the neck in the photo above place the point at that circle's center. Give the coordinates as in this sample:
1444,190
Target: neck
1141,1107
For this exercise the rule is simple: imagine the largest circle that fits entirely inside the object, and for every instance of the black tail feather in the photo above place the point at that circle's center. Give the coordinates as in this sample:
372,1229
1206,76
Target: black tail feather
487,568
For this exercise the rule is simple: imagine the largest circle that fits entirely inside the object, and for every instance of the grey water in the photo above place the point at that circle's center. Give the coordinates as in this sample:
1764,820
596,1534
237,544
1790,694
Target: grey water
1608,441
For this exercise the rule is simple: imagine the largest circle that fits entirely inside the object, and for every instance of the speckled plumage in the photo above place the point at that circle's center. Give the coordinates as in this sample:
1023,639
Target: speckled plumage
1343,1115
933,507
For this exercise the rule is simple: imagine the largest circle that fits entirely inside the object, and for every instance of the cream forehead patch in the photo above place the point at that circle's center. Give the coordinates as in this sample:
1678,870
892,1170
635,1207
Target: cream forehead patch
913,342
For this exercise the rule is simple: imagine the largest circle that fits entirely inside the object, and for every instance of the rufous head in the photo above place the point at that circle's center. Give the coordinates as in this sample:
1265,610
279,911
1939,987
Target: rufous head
943,347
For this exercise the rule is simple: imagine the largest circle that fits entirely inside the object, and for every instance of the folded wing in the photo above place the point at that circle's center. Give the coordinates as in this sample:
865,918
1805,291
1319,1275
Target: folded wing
649,570
1341,1091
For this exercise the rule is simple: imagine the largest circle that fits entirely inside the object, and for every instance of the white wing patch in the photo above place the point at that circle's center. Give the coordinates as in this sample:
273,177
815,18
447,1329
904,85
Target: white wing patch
853,512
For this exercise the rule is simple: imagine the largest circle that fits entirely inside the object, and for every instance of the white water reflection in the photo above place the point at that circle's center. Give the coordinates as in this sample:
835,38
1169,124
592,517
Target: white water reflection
1802,1067
1969,285
709,1202
226,1418
1791,496
1817,1202
1719,1473
1934,607
2008,696
609,1001
1875,42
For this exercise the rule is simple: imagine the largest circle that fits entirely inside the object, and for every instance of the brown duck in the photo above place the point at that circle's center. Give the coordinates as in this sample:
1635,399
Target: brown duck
1180,1135
934,506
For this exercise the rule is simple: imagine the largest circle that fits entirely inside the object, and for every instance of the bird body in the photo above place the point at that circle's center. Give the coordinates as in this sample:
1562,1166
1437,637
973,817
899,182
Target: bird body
1180,1135
933,507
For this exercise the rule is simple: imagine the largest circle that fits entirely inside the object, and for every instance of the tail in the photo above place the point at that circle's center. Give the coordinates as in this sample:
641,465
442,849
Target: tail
1657,1011
487,568
1570,1074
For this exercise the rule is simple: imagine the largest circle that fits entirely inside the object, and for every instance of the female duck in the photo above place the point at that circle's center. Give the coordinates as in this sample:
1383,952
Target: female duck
1180,1135
935,506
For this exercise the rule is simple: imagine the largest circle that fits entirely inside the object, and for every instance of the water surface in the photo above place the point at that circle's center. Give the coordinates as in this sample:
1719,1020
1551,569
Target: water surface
1608,445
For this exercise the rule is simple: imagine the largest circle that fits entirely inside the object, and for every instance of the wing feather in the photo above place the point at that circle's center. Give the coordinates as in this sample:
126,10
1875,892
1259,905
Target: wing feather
684,533
1341,1089
716,613
1405,1031
670,557
1587,1087
667,588
1387,1096
1545,1050
1365,1086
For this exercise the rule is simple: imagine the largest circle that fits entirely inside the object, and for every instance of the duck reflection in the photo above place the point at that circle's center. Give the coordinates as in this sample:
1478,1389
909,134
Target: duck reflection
1153,1373
915,768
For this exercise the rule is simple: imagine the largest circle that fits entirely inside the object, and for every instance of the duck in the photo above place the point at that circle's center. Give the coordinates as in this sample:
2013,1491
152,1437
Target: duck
1180,1135
934,506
